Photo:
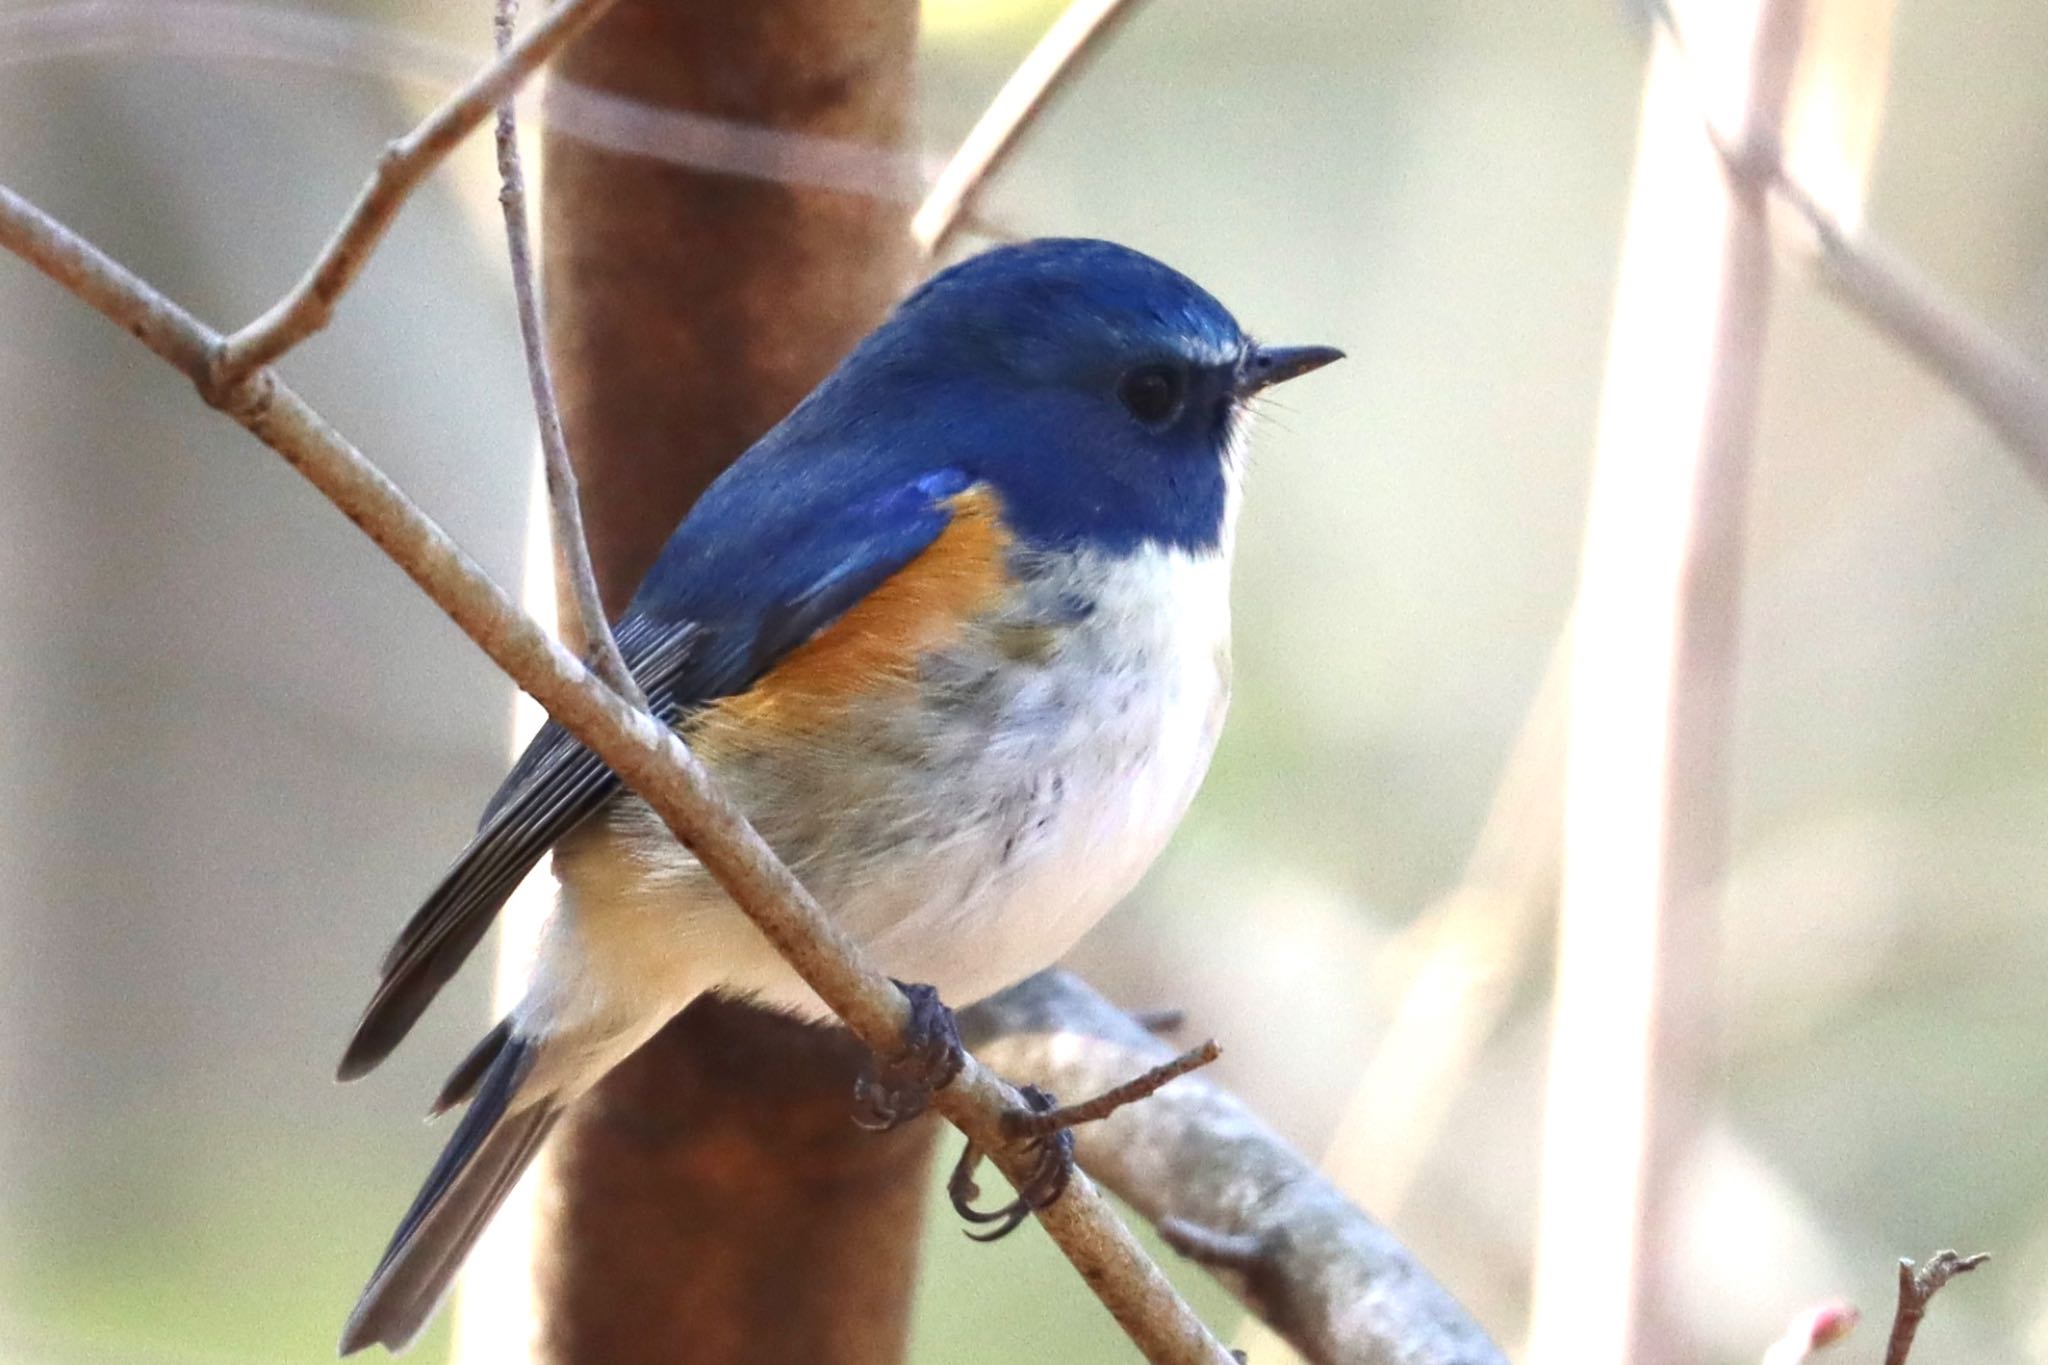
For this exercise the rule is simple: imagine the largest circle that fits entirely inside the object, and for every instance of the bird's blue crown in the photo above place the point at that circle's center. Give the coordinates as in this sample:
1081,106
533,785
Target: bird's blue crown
1091,386
1091,389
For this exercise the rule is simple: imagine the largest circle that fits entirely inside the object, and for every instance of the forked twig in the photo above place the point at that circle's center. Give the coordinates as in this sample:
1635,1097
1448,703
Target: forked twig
1917,1287
1024,1123
591,631
2007,388
1051,65
400,168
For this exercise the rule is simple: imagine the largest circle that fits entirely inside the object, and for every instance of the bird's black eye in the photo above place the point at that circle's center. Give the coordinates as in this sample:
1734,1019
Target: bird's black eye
1152,393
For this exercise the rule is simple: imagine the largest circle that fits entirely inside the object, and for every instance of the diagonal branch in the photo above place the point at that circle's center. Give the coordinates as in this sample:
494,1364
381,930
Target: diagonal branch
2007,388
1060,55
1226,1190
647,757
589,631
400,169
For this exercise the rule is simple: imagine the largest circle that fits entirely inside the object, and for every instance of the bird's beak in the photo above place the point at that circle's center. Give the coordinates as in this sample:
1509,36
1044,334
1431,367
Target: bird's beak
1270,365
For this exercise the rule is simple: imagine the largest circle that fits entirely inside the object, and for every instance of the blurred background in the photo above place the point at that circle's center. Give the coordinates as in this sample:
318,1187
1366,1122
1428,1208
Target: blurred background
238,746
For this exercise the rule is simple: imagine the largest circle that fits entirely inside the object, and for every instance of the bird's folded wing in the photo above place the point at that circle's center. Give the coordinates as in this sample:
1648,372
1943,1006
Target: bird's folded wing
805,577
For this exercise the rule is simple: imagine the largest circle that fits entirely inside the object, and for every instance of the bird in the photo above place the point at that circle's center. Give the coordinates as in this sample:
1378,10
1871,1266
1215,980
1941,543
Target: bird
954,635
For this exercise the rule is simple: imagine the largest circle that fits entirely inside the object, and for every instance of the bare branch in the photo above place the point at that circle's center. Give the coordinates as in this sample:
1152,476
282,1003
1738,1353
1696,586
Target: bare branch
1917,1287
403,165
1060,55
1197,1163
2006,387
589,632
1027,1124
1656,651
646,755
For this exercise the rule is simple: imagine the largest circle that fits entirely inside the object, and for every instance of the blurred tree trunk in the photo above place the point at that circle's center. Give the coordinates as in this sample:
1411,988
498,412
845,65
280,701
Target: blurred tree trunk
714,1202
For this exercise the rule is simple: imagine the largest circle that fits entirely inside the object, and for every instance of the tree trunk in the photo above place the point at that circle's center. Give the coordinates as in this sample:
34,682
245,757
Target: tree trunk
713,1200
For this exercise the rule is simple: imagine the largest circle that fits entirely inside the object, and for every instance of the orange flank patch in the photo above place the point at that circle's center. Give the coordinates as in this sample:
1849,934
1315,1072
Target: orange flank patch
924,606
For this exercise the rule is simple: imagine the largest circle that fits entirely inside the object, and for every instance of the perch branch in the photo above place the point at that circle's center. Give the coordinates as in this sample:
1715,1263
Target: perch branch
400,169
646,755
1198,1164
589,631
1059,56
1917,1287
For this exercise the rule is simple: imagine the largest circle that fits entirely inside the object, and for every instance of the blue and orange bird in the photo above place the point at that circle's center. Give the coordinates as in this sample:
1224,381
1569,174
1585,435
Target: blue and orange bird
955,635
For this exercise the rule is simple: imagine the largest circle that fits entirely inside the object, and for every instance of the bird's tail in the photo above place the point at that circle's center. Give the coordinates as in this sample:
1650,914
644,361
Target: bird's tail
496,1139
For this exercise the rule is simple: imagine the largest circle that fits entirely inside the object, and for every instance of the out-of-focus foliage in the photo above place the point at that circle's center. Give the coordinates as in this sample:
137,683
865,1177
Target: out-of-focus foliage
239,745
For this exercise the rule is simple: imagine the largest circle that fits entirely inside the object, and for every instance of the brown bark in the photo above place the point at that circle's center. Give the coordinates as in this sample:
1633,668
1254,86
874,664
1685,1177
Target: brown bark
716,1203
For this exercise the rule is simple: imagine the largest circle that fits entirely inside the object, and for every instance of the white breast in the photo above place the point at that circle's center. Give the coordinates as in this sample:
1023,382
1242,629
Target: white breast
966,841
1111,743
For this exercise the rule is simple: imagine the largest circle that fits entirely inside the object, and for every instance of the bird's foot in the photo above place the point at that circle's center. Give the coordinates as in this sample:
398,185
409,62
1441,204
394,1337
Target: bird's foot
897,1089
1048,1180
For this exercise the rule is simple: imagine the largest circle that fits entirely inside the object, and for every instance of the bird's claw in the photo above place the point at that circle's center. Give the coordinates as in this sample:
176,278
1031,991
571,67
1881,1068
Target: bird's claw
897,1089
1048,1180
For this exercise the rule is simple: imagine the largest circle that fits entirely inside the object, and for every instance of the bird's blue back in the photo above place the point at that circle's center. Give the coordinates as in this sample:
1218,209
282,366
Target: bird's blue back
1002,370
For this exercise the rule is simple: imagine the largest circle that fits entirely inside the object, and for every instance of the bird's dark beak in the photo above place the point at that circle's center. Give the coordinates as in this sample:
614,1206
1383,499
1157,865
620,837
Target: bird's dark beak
1270,365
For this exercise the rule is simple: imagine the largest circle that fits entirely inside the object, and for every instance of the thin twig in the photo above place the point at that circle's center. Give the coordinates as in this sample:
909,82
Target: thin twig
1917,1287
590,632
646,755
2008,388
1060,55
1023,1123
1238,1252
400,169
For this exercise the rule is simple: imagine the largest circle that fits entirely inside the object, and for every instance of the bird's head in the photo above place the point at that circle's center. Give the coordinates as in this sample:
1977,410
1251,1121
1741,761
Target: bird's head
1100,392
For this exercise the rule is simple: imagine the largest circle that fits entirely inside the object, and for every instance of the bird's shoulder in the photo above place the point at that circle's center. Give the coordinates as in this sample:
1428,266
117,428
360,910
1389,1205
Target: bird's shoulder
963,574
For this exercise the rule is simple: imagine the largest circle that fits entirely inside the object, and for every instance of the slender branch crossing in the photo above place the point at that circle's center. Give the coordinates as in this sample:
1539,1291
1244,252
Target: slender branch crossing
1080,31
590,631
401,168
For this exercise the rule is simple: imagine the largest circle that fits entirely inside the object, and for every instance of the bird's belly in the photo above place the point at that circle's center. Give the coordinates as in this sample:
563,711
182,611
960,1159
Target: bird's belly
1033,841
966,835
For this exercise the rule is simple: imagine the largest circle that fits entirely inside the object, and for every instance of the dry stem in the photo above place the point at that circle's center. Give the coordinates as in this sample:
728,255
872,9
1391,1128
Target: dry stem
1023,1123
1059,56
1655,649
1917,1287
400,169
2006,387
588,630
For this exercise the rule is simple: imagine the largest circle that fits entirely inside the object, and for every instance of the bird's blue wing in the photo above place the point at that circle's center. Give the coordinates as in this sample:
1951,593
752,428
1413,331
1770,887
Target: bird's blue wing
737,588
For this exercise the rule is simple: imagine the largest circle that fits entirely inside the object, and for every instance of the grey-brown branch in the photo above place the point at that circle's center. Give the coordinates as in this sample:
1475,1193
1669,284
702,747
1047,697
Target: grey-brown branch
588,630
1226,1189
1917,1287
